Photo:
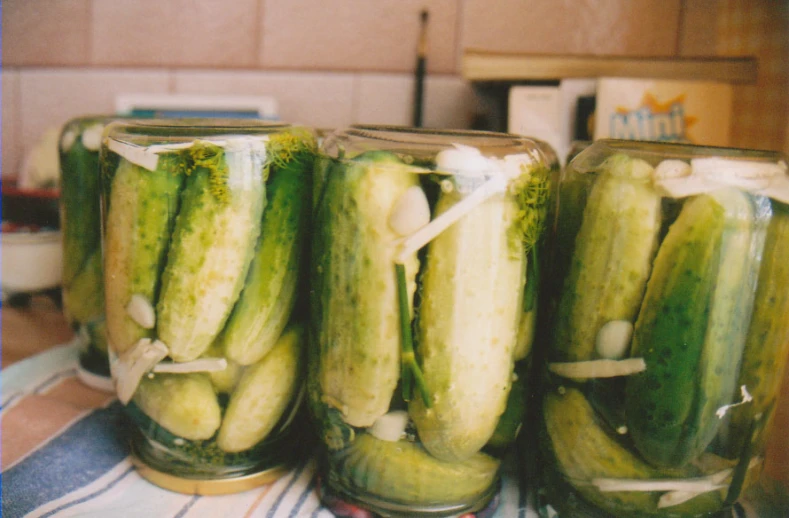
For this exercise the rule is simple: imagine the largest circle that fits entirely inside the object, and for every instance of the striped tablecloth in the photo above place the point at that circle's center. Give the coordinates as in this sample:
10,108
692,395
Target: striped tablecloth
62,456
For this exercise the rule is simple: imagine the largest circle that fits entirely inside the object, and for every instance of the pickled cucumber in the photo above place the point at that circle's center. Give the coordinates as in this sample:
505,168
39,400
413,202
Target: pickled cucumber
509,424
263,394
404,472
224,380
612,257
584,450
692,325
468,324
767,346
335,433
141,214
83,299
79,201
269,294
353,291
212,244
183,404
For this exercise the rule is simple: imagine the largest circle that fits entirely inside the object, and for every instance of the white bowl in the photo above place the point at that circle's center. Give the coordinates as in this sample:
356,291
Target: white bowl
31,261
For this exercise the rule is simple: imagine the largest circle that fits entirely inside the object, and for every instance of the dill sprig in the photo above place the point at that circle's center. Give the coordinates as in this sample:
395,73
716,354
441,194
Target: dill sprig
410,370
289,145
532,190
203,155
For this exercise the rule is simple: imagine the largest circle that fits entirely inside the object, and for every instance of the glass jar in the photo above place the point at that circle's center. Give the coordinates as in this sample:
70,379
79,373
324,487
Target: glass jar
669,302
204,235
80,219
423,291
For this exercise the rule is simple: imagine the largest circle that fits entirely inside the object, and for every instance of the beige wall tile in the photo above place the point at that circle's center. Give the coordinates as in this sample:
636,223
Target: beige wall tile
191,33
50,97
315,99
55,32
698,27
619,27
384,99
11,122
449,101
357,34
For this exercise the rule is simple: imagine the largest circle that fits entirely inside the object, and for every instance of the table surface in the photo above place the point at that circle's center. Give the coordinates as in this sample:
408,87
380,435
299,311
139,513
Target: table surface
32,329
62,457
40,326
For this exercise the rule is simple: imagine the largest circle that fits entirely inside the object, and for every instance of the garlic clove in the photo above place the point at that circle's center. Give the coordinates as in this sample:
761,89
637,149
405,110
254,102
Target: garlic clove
91,137
671,169
410,212
613,339
141,311
129,368
391,426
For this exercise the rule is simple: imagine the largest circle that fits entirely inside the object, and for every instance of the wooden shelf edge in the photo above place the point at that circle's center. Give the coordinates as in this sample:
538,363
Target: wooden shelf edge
480,65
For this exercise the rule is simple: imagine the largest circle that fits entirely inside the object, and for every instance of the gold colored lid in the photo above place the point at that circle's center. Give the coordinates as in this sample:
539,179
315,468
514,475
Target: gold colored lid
207,487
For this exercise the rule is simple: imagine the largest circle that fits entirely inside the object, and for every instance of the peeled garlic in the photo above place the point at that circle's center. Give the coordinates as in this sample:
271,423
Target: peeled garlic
514,166
141,311
390,427
91,137
465,161
129,368
613,339
410,212
669,169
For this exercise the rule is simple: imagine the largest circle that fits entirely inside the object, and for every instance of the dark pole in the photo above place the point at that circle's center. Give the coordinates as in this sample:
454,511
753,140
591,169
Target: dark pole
421,55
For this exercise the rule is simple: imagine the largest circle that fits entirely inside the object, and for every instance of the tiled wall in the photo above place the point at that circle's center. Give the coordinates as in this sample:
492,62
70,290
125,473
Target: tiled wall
328,63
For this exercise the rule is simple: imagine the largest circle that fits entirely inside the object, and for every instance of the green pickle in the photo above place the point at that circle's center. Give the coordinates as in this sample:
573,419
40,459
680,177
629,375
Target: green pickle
82,279
669,330
205,225
420,339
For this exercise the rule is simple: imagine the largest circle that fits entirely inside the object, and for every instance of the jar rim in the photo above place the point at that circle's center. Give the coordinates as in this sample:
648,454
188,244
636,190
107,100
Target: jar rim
205,122
589,159
424,143
660,150
410,135
177,130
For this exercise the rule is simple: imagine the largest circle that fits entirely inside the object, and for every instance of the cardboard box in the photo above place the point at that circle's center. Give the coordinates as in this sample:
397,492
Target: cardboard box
698,112
548,112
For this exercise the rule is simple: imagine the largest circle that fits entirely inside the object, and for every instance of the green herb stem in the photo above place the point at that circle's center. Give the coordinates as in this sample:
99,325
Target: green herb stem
532,281
741,470
409,367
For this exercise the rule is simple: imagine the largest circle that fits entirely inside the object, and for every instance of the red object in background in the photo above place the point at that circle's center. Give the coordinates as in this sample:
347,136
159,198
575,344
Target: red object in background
10,189
30,206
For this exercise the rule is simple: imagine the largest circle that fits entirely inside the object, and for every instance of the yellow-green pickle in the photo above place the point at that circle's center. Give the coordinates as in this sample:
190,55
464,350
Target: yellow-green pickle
82,281
668,332
423,286
205,232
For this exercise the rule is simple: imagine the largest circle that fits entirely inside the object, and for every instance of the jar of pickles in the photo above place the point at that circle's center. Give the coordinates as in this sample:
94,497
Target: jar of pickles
204,235
423,285
82,283
669,298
